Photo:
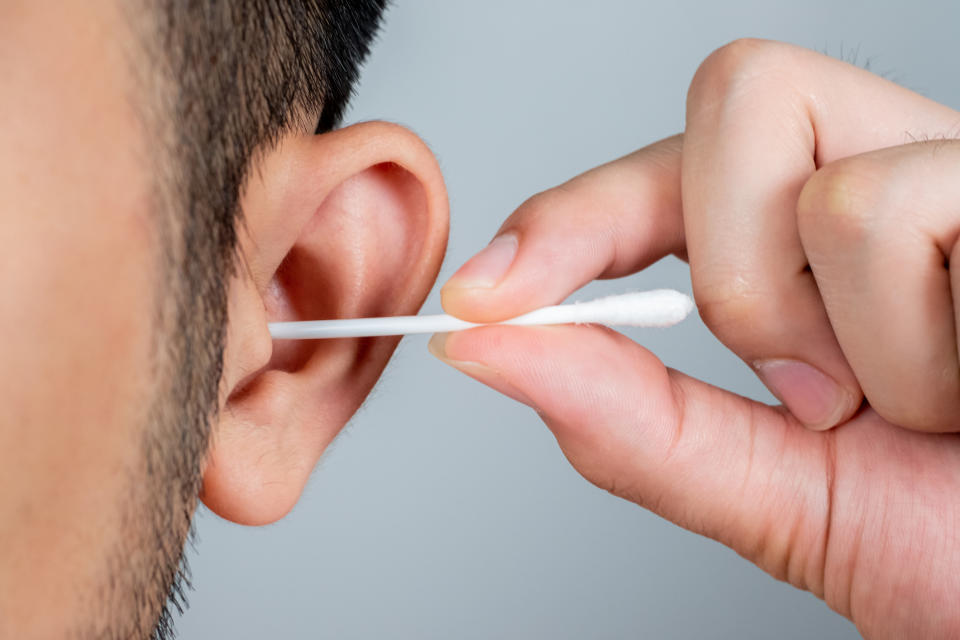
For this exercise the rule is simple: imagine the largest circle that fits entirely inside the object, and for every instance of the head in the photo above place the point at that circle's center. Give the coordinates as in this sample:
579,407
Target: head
173,178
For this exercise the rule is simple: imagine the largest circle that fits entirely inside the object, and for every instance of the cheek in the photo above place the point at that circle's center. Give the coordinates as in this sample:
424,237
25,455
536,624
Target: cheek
78,278
75,385
75,381
81,301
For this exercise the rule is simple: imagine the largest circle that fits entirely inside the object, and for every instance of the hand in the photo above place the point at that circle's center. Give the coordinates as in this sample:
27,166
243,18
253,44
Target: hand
820,252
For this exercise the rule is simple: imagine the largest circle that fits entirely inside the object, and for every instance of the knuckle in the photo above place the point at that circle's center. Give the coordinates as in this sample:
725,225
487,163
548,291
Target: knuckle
727,69
537,206
912,416
537,202
728,306
560,209
929,402
843,202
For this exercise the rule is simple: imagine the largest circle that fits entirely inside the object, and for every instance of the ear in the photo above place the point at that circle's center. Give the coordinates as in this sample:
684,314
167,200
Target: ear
351,223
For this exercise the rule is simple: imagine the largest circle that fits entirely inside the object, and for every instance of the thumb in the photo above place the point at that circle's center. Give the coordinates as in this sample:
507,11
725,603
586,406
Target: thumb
721,465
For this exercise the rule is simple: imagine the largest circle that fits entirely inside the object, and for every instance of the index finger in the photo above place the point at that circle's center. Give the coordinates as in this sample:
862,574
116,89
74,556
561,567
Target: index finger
608,222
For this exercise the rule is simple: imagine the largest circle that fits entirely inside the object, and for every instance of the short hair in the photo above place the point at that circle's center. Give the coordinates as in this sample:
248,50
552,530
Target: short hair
224,80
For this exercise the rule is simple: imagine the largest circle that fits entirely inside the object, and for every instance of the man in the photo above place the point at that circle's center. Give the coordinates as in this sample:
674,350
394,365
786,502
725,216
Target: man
159,173
163,195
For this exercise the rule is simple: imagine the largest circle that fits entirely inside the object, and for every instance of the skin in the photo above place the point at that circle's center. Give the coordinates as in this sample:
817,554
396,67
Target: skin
849,490
862,515
79,293
333,224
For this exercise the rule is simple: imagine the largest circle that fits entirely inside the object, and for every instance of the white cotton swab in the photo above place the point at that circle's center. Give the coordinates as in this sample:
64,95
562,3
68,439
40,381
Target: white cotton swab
657,308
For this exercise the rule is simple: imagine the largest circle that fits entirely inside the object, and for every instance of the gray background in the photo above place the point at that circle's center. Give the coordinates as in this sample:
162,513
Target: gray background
447,511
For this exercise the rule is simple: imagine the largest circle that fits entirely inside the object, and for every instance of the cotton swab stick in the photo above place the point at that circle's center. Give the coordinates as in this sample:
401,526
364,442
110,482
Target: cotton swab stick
657,308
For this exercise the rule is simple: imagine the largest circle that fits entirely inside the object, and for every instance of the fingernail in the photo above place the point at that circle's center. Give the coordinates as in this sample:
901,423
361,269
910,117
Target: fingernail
476,370
813,397
487,268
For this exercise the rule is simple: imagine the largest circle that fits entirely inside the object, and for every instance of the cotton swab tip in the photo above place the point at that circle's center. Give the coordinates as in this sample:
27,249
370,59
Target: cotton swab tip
657,308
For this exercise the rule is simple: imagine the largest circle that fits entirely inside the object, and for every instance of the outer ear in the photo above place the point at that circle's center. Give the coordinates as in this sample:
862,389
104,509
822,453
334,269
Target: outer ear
350,223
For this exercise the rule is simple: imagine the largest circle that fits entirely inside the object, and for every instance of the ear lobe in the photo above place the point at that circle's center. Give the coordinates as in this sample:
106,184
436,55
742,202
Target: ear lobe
367,243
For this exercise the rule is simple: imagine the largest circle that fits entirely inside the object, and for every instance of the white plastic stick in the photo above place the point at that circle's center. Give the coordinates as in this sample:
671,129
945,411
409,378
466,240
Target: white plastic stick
657,308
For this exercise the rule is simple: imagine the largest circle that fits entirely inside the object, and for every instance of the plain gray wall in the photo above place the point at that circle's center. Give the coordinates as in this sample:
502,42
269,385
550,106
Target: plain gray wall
447,511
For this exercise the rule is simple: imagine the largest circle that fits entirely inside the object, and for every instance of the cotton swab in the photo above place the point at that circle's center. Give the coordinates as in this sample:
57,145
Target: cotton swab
657,308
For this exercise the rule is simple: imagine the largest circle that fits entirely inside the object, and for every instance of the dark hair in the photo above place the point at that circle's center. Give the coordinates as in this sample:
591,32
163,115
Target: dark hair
225,80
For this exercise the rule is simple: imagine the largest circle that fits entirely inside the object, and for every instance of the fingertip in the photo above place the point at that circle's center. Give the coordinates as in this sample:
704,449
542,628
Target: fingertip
847,409
488,268
478,304
479,371
814,398
577,373
471,292
458,301
437,346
